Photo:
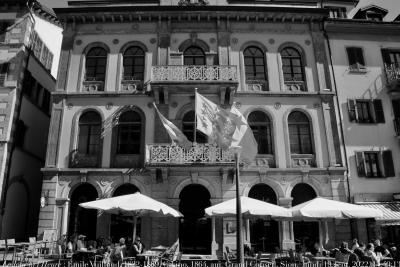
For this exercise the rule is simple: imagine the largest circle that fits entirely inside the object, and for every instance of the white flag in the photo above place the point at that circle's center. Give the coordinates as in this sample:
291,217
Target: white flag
205,114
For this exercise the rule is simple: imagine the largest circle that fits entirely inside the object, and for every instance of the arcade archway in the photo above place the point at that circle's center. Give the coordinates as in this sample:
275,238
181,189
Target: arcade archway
83,221
194,228
264,234
305,233
122,226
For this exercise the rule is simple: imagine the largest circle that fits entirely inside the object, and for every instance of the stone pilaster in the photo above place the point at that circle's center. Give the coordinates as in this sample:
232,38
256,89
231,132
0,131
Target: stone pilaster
286,227
66,48
54,132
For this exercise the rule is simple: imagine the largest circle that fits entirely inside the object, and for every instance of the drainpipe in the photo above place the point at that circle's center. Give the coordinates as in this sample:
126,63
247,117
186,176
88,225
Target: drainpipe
349,199
17,116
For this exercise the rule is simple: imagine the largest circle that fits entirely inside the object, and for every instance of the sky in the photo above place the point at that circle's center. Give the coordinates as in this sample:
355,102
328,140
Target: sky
393,6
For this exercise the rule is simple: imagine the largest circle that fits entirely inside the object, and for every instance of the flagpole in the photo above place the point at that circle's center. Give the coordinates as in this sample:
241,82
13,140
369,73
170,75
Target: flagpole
239,221
195,115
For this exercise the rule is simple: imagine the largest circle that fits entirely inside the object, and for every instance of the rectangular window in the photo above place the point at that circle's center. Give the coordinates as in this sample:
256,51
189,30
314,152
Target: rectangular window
3,73
366,111
375,164
20,131
356,58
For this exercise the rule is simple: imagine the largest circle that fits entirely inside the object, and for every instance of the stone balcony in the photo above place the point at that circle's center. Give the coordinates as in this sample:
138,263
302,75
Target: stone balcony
92,85
209,79
393,77
169,154
303,160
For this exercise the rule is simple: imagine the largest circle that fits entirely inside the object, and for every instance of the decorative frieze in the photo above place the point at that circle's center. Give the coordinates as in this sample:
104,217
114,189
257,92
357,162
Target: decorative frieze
93,86
302,160
295,86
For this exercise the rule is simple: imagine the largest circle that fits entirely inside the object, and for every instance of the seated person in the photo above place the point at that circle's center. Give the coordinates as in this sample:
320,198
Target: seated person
379,249
369,252
137,246
119,252
80,244
345,254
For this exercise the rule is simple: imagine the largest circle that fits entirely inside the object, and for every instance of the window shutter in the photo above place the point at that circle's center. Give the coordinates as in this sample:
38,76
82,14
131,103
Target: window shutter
378,111
351,55
385,56
359,55
351,104
388,166
355,55
360,164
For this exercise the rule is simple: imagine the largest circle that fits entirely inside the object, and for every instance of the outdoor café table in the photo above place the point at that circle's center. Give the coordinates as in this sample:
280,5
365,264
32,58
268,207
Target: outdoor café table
84,255
386,259
149,255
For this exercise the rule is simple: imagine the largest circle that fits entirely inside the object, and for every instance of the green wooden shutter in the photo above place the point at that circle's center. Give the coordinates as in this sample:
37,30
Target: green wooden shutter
388,166
351,104
360,164
378,111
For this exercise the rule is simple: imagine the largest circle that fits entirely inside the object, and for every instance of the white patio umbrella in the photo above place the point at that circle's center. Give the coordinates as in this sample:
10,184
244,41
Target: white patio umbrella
250,208
321,209
136,205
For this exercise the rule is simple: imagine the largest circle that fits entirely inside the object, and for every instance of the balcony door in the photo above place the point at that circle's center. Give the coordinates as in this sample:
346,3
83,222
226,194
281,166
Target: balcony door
391,57
194,55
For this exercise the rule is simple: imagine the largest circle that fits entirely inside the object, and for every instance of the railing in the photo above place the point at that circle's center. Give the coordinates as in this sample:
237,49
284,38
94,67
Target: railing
257,85
199,153
392,72
302,160
79,160
396,123
295,86
92,85
194,73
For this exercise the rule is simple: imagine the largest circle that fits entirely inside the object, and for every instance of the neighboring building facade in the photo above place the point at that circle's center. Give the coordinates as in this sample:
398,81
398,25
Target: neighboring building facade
25,85
365,53
270,60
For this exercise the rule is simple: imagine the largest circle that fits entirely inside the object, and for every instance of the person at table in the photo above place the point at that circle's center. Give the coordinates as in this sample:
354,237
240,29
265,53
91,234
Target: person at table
379,249
119,251
394,253
80,244
355,244
317,250
369,252
345,254
137,246
70,246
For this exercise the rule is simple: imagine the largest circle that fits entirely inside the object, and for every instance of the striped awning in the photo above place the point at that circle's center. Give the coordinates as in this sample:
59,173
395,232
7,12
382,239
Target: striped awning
391,212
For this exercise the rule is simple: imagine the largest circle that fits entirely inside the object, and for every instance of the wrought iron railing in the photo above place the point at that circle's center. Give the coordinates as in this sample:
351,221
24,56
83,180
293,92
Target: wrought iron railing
194,73
303,160
198,153
392,72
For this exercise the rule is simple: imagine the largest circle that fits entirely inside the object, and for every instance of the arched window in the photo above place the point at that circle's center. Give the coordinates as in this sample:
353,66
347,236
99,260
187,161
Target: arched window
129,133
254,62
261,127
189,128
96,63
292,64
299,133
194,55
134,63
89,133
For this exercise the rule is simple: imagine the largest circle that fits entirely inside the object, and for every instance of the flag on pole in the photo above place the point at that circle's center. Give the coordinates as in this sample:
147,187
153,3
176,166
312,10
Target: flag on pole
173,131
227,128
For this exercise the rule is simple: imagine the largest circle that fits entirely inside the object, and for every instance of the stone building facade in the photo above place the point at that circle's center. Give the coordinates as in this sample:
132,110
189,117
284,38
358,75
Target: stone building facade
270,60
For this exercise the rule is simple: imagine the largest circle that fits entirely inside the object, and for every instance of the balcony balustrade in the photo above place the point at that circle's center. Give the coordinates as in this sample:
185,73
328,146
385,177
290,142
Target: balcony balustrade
157,154
396,123
295,86
303,160
79,160
392,73
92,85
194,73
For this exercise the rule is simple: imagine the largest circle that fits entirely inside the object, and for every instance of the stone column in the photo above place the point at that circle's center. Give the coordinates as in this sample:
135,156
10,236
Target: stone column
331,131
214,244
65,55
64,229
286,227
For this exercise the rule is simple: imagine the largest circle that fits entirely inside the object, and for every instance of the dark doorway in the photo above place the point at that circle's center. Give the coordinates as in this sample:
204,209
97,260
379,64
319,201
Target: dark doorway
264,234
83,221
194,228
305,233
122,226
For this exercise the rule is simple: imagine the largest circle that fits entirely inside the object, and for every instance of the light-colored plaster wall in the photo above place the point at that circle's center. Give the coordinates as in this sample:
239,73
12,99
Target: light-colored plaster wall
369,85
52,37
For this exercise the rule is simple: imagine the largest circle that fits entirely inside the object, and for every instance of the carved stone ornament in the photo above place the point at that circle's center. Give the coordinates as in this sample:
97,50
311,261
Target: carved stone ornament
192,3
316,105
153,40
78,42
307,42
271,41
109,106
174,104
70,106
235,40
212,40
277,105
106,187
135,26
150,105
238,105
115,41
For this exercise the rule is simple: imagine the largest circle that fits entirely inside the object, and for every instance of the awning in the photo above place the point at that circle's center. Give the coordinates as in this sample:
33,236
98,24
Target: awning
390,210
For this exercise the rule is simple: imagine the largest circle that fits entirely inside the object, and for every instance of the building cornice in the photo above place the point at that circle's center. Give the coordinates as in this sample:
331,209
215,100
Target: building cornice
353,26
157,13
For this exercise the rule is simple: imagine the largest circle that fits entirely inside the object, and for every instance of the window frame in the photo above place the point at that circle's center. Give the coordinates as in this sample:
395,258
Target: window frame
98,58
129,132
254,65
133,65
299,135
269,128
384,164
356,66
89,136
375,110
203,138
193,57
291,59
